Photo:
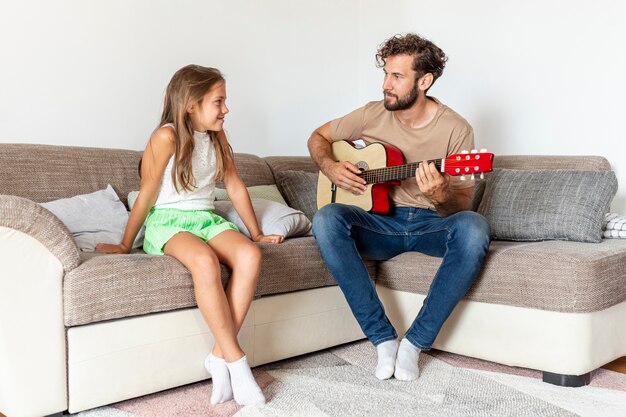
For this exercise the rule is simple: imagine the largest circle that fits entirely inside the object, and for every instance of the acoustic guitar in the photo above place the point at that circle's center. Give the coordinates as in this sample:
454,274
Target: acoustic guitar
382,167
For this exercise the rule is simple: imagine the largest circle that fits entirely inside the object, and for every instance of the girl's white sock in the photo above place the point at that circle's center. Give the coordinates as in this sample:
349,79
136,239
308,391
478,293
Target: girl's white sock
222,390
386,359
407,368
245,389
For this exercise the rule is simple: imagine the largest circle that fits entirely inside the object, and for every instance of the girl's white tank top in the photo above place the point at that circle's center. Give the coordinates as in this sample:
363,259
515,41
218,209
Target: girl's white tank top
203,165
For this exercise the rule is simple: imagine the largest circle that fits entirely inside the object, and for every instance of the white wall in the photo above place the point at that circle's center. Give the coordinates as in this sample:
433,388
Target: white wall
93,73
534,77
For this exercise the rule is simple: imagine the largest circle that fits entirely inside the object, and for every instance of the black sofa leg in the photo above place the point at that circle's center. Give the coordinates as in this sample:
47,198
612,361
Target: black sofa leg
567,380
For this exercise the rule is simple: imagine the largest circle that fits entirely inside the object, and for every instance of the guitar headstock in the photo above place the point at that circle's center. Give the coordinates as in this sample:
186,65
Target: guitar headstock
468,163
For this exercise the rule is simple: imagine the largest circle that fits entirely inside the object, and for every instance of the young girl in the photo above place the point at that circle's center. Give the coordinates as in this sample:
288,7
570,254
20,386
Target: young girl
181,163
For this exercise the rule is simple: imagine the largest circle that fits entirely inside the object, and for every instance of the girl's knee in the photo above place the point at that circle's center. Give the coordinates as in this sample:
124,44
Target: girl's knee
205,268
248,255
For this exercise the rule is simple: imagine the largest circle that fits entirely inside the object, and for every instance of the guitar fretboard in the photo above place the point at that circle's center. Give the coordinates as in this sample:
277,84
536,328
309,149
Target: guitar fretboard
398,172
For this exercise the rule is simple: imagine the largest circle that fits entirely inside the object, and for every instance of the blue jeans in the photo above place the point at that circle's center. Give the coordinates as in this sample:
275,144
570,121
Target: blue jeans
345,233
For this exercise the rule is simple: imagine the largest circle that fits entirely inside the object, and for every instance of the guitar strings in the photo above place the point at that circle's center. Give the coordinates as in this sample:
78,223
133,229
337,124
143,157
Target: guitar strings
398,172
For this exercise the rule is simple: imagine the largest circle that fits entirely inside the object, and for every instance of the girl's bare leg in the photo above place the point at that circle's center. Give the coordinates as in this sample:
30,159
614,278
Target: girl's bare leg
244,258
204,266
223,311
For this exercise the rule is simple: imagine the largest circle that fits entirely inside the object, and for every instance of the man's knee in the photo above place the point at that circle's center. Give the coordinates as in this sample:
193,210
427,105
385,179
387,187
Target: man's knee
328,219
473,229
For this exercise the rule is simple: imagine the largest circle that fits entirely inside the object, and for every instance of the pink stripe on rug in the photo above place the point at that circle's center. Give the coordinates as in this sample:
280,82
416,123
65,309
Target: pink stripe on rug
605,378
190,400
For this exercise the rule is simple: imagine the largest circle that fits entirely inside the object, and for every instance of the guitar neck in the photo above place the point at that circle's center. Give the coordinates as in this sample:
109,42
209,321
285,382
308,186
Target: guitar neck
394,173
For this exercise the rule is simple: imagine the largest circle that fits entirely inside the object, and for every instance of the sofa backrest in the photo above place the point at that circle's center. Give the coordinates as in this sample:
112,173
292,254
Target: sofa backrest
253,170
529,162
535,162
291,163
48,172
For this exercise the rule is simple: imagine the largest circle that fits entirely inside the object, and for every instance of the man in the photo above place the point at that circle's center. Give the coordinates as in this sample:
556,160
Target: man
430,213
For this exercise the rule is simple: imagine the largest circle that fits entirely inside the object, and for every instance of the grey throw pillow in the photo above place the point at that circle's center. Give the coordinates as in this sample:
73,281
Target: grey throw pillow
299,189
479,190
273,218
558,204
98,217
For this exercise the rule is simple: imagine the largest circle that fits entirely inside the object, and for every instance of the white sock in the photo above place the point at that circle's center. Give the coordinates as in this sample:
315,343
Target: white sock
407,368
222,390
245,388
386,359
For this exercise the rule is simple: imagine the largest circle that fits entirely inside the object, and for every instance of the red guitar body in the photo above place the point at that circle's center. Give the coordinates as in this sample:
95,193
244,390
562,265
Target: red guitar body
380,192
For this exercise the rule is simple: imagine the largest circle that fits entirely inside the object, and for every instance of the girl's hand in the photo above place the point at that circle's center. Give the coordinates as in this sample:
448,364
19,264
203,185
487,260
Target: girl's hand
108,248
269,238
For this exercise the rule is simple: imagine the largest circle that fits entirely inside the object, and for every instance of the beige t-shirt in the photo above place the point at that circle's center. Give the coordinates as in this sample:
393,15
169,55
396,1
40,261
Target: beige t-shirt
448,133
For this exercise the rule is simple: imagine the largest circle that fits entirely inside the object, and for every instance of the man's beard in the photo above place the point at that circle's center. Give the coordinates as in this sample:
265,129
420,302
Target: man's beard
404,102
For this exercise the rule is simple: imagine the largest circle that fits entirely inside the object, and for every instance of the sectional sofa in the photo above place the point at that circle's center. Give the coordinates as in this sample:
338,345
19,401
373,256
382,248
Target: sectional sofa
79,330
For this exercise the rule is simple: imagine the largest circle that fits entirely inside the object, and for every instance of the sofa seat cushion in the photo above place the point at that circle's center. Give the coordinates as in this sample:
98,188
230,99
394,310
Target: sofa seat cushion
561,276
106,287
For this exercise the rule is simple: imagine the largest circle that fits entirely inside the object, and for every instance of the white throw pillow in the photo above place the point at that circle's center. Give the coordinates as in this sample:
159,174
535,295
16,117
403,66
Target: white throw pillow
274,218
98,217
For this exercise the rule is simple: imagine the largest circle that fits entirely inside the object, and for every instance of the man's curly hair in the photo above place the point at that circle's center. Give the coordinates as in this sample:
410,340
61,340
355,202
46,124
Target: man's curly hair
427,57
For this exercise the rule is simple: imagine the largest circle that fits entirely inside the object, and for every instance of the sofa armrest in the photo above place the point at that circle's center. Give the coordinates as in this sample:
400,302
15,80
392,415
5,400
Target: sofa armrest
32,219
36,250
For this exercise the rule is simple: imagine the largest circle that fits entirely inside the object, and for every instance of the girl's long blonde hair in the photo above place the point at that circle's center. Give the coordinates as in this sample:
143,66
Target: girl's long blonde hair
188,86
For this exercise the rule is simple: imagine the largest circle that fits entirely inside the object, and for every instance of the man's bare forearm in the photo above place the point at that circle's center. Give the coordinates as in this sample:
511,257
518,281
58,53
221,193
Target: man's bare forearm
320,151
453,203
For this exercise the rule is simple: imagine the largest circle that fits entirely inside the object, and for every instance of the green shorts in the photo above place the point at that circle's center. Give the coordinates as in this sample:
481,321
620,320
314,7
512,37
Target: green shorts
162,224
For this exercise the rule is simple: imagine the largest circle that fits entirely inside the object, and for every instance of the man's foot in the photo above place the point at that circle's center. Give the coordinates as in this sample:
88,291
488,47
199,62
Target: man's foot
386,359
222,391
245,389
407,368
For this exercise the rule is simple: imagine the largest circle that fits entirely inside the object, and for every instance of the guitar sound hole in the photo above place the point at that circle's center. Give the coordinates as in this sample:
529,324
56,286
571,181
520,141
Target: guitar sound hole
362,165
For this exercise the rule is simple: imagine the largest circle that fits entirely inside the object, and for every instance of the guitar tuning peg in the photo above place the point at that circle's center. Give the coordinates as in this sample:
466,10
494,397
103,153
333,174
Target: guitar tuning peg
464,152
462,177
473,151
483,150
482,175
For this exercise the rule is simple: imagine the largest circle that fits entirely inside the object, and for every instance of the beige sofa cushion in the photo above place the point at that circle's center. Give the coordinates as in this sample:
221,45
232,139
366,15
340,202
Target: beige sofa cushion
48,172
534,162
570,277
106,287
253,170
289,163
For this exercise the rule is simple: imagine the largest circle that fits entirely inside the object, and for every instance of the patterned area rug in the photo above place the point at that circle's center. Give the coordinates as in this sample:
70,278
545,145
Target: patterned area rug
341,382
